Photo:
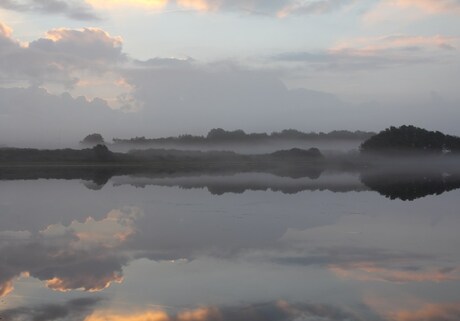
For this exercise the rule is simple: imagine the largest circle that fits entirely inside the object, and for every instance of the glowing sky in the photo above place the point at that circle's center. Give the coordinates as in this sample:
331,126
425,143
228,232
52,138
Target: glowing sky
179,66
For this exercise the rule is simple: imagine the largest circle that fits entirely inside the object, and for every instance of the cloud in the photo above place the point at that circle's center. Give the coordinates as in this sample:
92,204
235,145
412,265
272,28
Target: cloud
73,9
87,10
114,229
371,45
72,310
349,60
271,311
368,271
160,94
87,309
110,4
6,288
5,31
34,117
391,10
81,256
348,256
85,61
429,312
273,8
225,94
90,44
312,7
63,56
428,6
371,53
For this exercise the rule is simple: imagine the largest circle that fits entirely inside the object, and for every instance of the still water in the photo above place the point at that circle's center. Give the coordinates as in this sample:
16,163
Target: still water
244,247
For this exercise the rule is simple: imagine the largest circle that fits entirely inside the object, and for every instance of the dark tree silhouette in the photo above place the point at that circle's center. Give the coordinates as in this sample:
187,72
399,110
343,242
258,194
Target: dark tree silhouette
411,139
93,140
411,186
219,135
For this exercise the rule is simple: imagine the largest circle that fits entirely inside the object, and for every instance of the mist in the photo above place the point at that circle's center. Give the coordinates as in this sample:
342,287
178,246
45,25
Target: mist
34,117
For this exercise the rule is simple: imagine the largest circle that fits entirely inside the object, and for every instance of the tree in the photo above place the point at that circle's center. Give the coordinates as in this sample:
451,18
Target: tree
93,140
406,139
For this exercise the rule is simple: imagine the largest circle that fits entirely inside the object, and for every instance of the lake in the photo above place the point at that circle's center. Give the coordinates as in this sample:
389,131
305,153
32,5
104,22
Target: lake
247,246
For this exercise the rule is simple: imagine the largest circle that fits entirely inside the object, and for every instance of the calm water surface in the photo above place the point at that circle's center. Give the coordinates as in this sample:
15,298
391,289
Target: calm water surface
240,247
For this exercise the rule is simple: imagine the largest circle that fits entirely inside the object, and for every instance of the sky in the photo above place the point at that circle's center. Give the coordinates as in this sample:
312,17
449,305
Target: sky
167,67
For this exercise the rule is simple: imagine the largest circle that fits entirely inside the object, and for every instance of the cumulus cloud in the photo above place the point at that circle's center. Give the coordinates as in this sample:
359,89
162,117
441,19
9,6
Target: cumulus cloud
85,61
74,9
90,44
61,57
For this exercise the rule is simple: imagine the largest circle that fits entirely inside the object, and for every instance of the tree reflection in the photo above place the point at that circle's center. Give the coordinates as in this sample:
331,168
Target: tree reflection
409,186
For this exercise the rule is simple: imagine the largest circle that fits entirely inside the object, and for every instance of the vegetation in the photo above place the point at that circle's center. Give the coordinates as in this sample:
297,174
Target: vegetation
411,139
408,186
99,153
219,136
93,140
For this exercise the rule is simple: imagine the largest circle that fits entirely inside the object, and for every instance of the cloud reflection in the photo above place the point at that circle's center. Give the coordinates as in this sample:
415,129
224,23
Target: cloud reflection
87,256
430,312
73,310
271,311
368,271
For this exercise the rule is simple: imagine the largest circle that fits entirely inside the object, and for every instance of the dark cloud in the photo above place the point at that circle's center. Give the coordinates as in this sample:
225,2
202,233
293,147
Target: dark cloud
269,311
278,311
73,310
73,9
349,255
86,309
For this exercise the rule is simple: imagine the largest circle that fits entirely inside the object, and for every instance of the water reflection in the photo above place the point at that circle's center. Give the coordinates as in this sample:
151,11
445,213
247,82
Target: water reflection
240,183
84,256
407,185
174,251
87,309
